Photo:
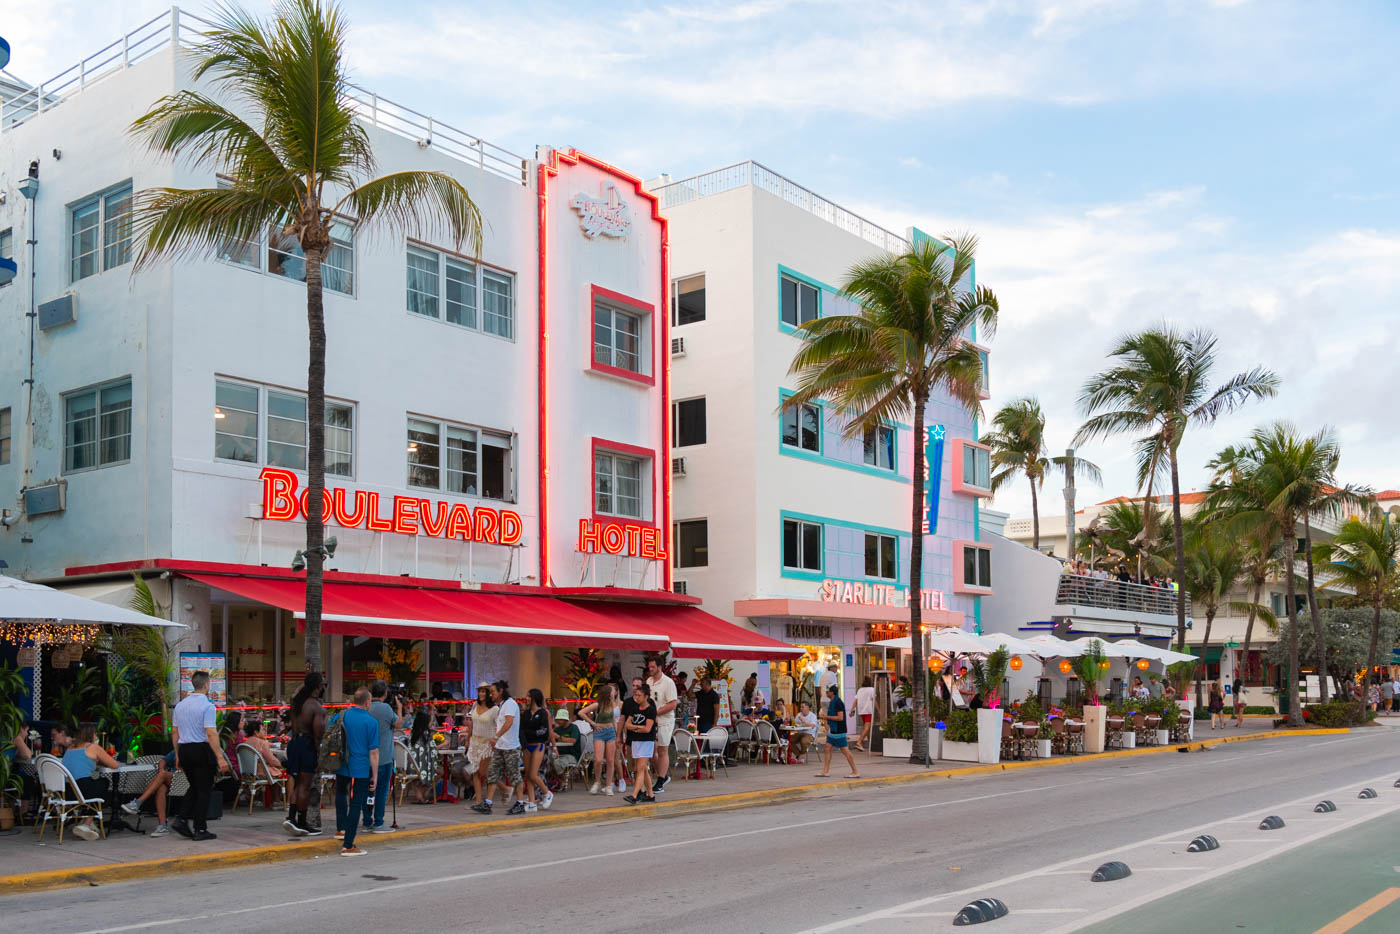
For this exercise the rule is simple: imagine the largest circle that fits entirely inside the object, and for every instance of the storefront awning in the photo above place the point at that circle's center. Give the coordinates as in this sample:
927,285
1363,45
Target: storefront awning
693,633
446,615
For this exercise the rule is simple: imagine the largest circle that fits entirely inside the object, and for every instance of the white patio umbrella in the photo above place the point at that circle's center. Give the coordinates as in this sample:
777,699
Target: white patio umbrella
33,612
1109,649
1054,647
955,641
1143,650
1016,645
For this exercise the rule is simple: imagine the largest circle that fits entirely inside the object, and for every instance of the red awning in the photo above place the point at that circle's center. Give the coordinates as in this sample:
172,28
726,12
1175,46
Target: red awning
446,615
693,633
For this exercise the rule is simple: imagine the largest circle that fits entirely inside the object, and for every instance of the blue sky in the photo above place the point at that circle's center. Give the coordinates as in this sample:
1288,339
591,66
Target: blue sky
1229,164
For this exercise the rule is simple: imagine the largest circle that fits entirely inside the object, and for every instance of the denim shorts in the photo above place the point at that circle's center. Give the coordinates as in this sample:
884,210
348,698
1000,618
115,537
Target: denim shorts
643,748
836,740
605,734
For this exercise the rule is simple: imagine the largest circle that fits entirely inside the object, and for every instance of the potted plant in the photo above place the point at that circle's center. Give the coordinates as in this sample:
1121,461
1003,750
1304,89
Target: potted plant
898,733
11,722
960,737
988,674
1043,737
1091,668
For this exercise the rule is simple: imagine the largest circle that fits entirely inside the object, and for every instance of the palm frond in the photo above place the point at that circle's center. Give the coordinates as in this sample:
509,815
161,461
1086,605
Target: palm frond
183,223
417,203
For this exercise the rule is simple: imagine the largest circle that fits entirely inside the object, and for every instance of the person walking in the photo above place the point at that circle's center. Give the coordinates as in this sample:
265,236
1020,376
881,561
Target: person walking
665,697
303,753
536,738
1395,693
197,751
483,727
683,700
1216,706
640,724
389,720
835,718
601,715
865,709
746,694
356,780
504,771
1237,695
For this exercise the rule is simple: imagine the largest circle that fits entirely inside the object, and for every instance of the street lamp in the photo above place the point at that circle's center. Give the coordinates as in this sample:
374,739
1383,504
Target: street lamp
326,551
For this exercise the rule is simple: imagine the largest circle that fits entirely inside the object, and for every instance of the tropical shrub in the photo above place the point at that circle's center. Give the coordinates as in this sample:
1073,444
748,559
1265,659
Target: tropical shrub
1337,713
962,727
900,726
1259,709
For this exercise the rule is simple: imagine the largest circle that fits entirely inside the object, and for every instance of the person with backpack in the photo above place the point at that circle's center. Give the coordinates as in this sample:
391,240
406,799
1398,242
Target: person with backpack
358,730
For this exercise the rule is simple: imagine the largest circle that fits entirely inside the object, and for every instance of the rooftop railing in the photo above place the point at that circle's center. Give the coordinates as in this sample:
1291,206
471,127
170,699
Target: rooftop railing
760,176
178,27
1081,590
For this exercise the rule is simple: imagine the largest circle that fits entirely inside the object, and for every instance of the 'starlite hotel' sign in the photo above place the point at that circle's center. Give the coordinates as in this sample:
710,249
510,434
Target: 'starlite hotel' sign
407,515
862,594
607,216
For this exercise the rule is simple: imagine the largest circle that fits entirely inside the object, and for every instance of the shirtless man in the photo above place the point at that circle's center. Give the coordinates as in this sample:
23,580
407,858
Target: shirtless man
308,725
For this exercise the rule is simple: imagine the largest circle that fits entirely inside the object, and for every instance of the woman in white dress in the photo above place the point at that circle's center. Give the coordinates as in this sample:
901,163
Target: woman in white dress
483,727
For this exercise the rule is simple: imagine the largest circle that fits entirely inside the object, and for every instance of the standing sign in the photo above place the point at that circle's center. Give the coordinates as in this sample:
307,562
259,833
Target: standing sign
215,663
933,472
723,717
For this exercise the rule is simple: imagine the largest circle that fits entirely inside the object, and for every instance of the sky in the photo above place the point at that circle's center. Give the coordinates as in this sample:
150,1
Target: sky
1227,165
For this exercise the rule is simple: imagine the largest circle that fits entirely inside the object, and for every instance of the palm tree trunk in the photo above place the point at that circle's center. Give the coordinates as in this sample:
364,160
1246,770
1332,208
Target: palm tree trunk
1035,520
1312,608
919,678
1205,641
1180,557
1295,703
315,454
1249,626
1375,639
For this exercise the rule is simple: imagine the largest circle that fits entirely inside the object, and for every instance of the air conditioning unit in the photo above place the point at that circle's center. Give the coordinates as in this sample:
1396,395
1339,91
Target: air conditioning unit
678,466
678,587
678,346
46,499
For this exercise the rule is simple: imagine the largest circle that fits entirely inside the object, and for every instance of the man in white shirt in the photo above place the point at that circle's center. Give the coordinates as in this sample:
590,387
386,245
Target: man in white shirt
1395,700
802,733
829,679
198,752
663,695
504,771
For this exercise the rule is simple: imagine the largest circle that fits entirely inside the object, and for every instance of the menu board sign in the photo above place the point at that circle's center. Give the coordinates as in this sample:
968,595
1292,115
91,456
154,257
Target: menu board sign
724,717
213,662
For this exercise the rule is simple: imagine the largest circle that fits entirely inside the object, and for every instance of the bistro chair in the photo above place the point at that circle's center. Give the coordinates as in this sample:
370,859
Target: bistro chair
1181,729
744,742
715,741
58,785
1113,732
256,776
1139,727
768,743
1059,736
1074,737
1010,742
687,754
1029,731
1149,737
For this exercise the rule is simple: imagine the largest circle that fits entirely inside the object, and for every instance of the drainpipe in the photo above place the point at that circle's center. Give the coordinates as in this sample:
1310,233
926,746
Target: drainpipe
29,187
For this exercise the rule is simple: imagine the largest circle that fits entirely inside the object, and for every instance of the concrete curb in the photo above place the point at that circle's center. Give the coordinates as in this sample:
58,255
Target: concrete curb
329,847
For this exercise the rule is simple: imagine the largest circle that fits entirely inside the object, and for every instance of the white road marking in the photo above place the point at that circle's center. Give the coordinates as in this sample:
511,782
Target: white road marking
1096,857
1018,911
1327,742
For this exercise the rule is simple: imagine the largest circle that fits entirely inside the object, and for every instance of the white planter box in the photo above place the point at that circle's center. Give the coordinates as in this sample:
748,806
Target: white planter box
1163,737
1129,739
897,748
989,735
959,752
935,743
1042,748
1095,724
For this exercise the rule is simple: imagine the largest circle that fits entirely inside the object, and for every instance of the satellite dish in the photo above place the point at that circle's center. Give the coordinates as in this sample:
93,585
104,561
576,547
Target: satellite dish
4,52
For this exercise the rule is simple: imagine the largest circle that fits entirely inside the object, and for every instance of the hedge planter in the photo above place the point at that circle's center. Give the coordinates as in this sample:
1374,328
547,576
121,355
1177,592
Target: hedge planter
961,752
898,748
1129,739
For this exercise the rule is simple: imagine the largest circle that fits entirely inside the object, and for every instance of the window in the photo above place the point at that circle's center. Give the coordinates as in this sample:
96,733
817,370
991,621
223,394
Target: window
977,467
801,302
977,566
688,422
802,427
285,258
802,545
460,459
690,546
4,436
879,447
880,556
97,427
617,485
457,291
246,413
617,338
7,247
688,300
100,232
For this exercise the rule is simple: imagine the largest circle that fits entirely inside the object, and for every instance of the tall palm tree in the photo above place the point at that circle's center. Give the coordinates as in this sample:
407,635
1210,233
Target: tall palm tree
1365,556
1124,532
883,363
1157,388
1017,440
282,132
1216,562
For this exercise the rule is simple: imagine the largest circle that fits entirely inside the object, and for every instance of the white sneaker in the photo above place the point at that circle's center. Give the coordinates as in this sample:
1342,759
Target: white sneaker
622,786
593,789
84,831
132,807
608,791
548,800
531,807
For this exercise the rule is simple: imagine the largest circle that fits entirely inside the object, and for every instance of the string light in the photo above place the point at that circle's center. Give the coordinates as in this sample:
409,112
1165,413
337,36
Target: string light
1015,663
49,633
1142,663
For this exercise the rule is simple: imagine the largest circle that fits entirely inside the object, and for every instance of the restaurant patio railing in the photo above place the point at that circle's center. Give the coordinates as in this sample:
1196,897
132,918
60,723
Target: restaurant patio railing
1081,590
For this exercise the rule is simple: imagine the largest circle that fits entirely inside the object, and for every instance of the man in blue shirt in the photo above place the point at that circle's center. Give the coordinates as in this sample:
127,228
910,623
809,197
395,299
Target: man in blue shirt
389,720
199,753
835,718
358,773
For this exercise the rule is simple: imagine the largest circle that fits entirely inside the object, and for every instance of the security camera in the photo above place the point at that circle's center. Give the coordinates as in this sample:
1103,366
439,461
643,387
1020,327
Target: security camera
57,154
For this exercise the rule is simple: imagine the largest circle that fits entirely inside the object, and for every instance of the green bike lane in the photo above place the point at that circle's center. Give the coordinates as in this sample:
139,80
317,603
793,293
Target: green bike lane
1302,890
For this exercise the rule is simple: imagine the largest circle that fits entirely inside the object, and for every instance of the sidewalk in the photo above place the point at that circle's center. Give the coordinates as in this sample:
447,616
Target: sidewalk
259,837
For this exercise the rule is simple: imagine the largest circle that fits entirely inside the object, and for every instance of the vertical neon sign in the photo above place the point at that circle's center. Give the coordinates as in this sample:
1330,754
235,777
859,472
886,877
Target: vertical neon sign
933,474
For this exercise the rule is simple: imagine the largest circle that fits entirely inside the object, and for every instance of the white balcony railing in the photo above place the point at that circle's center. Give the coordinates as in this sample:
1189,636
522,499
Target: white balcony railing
1081,590
176,26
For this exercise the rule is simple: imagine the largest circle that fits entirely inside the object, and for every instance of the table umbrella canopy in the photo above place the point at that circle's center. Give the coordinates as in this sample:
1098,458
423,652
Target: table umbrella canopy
955,641
1136,649
1016,645
1054,647
23,602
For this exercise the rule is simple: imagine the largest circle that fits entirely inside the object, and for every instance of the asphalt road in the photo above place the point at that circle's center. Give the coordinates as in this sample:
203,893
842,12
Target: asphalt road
894,859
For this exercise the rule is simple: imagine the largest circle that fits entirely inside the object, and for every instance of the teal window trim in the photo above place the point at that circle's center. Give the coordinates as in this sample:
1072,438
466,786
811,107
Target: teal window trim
897,562
842,523
801,573
820,286
821,457
825,521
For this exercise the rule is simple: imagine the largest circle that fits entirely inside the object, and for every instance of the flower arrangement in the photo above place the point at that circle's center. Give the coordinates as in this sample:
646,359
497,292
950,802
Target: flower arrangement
716,669
399,663
439,739
586,673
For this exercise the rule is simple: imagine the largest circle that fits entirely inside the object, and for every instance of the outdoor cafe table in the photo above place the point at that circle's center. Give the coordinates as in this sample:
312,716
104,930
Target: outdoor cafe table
448,755
114,776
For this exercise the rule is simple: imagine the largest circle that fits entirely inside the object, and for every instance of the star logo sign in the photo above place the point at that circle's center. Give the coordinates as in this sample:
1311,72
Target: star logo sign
936,433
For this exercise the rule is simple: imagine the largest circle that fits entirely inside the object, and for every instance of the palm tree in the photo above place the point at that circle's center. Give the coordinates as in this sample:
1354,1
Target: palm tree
295,159
1018,447
1158,387
1215,564
886,361
1365,556
1123,533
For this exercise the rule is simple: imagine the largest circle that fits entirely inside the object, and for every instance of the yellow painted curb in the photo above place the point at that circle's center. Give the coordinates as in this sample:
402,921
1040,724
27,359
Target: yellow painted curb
329,847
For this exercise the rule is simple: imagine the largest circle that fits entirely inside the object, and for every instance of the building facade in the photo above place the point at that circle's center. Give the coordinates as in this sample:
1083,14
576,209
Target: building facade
783,522
495,424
